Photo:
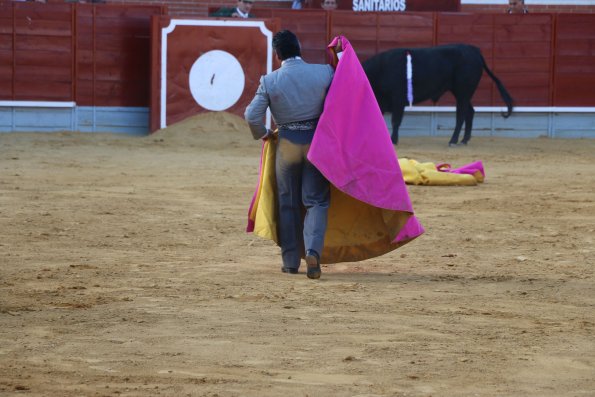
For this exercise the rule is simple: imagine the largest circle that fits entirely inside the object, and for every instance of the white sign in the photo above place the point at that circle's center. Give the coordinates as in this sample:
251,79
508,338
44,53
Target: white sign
379,5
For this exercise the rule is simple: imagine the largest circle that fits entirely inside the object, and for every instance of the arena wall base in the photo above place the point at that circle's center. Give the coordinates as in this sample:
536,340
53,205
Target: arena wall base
61,116
418,121
523,123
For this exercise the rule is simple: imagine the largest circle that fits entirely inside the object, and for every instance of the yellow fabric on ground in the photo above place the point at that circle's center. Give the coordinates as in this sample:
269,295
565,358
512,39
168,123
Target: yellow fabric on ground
416,173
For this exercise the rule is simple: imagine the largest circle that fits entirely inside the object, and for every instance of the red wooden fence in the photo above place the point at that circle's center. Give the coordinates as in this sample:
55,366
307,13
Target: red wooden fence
574,60
37,56
94,55
409,5
6,51
543,59
113,55
98,55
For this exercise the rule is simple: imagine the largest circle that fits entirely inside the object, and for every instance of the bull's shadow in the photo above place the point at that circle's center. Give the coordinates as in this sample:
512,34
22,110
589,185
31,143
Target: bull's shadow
456,68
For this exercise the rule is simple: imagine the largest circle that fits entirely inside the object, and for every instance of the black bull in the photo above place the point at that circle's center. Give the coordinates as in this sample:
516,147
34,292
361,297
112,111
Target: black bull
455,68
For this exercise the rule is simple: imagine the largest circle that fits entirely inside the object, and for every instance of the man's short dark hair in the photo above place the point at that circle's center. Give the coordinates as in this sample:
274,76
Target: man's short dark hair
286,44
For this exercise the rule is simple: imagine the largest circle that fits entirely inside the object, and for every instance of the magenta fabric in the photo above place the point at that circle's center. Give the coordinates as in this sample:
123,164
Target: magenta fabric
352,145
470,168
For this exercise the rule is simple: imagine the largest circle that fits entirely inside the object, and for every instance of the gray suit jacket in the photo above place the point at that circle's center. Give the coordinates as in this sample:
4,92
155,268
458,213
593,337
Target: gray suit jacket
294,92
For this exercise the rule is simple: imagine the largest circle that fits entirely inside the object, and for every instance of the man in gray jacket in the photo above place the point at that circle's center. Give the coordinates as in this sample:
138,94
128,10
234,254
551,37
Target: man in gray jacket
295,94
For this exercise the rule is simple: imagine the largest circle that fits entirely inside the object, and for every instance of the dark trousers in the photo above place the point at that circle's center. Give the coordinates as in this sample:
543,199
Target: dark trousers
300,186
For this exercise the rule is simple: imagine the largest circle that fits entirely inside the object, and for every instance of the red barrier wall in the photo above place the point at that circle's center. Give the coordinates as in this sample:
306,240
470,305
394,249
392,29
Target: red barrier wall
574,54
523,57
311,26
543,59
99,54
113,55
410,5
6,52
95,55
200,8
37,52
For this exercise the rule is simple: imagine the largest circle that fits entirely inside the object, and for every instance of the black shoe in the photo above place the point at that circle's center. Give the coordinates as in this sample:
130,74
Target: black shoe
313,262
289,270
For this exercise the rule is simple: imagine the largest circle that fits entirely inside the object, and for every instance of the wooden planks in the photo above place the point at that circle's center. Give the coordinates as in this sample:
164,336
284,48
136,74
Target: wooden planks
574,79
98,55
360,28
113,55
311,28
6,51
93,54
42,52
410,30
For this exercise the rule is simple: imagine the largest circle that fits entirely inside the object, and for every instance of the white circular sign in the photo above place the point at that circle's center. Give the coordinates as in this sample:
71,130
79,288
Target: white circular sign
216,80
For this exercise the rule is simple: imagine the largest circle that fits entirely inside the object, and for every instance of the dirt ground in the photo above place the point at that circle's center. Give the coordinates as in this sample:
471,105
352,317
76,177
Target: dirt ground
125,271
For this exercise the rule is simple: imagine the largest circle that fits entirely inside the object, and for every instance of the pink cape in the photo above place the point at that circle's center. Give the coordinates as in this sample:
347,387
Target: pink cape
352,145
471,168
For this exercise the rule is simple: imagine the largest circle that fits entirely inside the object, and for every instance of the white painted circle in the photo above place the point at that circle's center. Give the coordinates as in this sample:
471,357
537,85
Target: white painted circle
216,80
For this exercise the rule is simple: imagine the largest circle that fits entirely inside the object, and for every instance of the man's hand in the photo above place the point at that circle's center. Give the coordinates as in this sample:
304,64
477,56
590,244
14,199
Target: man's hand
337,52
271,135
339,46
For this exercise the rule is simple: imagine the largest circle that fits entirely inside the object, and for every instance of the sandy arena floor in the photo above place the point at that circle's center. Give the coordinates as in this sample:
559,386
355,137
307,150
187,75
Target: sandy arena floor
125,271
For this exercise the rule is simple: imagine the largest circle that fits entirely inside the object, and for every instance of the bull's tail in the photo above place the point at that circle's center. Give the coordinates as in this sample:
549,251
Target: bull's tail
503,93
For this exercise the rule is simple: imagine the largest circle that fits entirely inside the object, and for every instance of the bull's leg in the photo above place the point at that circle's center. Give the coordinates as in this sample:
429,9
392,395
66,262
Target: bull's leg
468,124
461,111
397,117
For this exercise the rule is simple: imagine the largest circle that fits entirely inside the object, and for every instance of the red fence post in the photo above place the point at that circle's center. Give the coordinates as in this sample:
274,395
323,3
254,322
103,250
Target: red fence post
435,28
14,42
94,57
73,67
553,67
155,105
